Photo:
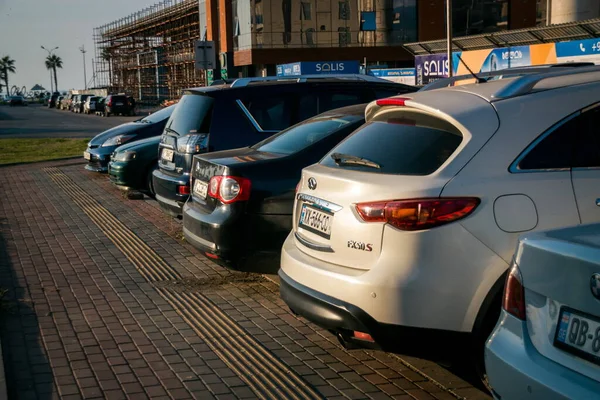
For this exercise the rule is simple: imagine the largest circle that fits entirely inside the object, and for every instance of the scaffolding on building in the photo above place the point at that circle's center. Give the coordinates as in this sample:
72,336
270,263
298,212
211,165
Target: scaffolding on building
150,54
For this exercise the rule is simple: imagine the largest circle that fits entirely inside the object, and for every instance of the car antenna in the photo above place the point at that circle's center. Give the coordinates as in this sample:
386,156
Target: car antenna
473,74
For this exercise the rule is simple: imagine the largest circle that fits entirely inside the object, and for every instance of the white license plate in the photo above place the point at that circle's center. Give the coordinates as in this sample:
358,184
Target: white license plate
316,220
118,104
579,334
200,188
87,155
167,155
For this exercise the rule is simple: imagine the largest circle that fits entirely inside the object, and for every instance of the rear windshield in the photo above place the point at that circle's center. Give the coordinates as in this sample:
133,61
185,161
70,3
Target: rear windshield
414,144
302,135
122,99
192,115
158,116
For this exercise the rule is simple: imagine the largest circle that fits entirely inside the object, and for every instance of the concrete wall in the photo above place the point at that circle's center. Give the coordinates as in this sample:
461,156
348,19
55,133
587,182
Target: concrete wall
562,11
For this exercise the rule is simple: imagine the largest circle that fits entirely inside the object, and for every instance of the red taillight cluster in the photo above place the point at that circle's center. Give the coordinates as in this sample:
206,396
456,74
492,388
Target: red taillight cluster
229,189
417,214
513,301
183,189
392,101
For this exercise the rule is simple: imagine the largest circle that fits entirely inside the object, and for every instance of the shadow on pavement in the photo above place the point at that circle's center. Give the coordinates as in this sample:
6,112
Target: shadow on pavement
27,369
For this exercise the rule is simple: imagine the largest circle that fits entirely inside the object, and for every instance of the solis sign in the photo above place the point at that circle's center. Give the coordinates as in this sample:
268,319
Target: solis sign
430,68
318,67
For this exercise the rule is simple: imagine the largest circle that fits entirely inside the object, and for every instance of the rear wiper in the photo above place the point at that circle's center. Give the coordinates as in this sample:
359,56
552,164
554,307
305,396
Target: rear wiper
171,130
347,159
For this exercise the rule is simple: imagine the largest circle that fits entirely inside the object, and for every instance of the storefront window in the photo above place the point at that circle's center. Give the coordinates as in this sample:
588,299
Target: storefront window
472,17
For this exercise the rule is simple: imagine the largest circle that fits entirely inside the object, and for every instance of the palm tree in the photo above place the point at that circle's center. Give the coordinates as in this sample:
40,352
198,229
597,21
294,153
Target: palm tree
7,65
107,56
53,62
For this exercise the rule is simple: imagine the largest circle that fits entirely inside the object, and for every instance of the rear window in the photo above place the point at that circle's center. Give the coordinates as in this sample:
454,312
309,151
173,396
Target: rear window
415,144
160,115
302,135
192,115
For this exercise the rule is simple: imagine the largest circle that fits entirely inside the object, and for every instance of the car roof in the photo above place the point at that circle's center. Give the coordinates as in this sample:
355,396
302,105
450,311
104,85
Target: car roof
522,85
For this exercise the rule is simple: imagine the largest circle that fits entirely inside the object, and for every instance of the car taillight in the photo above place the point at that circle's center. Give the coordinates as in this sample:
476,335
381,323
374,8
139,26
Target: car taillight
392,101
513,301
109,103
229,189
183,189
417,214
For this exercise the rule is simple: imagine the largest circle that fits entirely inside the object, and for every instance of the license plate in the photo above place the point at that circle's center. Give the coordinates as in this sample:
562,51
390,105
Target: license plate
316,220
167,155
118,104
200,188
87,155
578,333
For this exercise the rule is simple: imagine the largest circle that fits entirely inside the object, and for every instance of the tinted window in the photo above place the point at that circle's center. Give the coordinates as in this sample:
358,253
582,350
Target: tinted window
308,132
345,99
308,106
158,116
554,151
587,149
406,146
271,113
192,115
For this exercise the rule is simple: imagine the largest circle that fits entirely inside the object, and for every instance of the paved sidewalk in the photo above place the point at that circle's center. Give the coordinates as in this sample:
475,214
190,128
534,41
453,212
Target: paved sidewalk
105,300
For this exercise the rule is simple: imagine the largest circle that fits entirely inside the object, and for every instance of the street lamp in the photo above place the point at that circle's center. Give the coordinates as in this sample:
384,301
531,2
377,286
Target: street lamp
449,36
83,51
49,54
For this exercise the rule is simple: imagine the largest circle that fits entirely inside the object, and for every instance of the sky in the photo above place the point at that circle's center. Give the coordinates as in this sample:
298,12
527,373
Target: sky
25,25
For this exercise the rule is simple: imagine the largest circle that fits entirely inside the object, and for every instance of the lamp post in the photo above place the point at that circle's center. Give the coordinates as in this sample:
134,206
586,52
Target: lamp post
49,54
83,51
449,35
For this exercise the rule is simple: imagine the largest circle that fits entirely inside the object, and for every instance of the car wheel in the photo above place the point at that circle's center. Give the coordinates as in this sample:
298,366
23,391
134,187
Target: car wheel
149,183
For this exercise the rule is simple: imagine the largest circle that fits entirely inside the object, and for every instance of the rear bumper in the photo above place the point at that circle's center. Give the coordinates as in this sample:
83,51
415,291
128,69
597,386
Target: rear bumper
343,319
517,370
165,187
241,241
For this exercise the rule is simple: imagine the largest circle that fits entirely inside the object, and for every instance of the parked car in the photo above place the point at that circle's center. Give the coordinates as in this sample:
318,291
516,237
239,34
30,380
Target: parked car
546,344
90,104
131,165
100,105
17,101
52,100
247,111
79,102
403,233
59,100
101,147
243,220
117,104
67,102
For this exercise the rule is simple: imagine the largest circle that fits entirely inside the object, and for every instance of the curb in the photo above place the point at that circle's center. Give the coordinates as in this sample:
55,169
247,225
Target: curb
41,161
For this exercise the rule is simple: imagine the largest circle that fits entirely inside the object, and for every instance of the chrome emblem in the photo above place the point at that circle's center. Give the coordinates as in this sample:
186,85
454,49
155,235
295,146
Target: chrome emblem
312,183
595,285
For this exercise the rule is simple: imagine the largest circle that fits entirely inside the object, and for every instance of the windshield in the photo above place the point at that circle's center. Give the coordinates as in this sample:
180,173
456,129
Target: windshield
192,115
410,145
302,135
158,116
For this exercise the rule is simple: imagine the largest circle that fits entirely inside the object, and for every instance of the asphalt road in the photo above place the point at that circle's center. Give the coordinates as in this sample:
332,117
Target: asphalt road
36,121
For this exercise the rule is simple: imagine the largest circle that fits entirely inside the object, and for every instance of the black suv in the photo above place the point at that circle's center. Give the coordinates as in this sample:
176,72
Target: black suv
245,112
118,104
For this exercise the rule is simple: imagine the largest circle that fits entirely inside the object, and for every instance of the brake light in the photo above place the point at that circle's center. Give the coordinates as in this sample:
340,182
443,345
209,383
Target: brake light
392,101
229,189
417,214
183,189
298,186
513,301
109,103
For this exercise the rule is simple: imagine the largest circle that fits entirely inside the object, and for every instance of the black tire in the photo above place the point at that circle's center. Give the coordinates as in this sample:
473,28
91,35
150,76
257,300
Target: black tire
106,114
149,183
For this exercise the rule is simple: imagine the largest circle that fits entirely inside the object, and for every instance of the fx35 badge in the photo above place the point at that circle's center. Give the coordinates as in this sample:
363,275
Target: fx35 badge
360,245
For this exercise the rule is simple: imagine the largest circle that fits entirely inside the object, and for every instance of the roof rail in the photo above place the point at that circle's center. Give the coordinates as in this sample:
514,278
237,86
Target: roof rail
525,84
241,82
507,72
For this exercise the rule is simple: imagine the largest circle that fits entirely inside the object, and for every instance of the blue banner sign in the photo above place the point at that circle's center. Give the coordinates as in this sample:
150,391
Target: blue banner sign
318,68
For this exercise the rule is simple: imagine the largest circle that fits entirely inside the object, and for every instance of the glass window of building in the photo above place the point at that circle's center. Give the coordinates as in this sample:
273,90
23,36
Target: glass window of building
472,17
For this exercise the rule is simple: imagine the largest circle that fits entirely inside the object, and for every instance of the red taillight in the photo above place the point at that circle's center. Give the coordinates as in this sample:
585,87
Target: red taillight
417,214
513,301
211,255
109,103
183,189
298,186
363,336
229,189
392,101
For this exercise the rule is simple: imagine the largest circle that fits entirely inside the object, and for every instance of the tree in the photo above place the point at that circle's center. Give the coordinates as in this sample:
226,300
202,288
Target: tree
107,56
7,65
53,62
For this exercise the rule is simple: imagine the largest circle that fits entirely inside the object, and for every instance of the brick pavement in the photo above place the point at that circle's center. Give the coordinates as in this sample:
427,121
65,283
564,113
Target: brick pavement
81,318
